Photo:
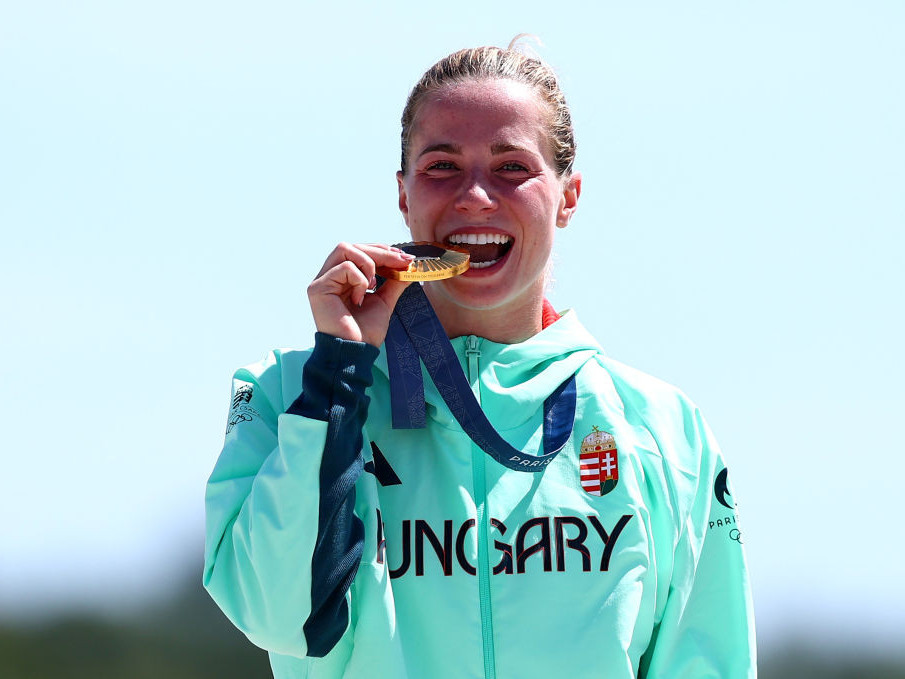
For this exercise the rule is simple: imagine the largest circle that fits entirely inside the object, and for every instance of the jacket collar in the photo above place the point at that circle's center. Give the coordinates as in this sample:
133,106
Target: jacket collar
516,378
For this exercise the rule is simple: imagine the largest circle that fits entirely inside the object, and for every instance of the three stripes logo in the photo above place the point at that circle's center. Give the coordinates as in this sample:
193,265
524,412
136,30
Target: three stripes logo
599,463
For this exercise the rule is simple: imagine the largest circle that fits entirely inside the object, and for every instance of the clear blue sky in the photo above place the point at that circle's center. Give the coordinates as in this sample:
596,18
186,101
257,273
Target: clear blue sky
172,175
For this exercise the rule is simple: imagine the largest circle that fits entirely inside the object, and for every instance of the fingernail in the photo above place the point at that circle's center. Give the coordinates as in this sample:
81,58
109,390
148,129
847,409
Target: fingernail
406,255
372,283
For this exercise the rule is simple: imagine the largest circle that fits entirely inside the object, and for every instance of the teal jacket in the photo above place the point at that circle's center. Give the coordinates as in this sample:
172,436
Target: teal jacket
346,548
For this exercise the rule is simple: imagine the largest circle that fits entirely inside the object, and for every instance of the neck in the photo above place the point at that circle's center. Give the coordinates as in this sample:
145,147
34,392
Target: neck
513,323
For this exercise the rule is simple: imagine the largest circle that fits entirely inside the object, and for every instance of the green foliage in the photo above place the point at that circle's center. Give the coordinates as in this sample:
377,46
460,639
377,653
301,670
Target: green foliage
187,637
803,659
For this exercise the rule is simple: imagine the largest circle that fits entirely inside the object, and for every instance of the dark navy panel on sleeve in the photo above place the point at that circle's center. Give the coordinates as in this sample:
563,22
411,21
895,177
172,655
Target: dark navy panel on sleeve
334,381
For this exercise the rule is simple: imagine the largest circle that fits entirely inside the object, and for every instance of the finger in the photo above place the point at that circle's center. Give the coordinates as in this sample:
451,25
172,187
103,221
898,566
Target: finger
390,292
356,281
367,256
345,280
386,255
347,252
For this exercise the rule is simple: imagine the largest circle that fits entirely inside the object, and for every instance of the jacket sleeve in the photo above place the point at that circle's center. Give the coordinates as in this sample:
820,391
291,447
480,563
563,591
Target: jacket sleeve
707,626
283,544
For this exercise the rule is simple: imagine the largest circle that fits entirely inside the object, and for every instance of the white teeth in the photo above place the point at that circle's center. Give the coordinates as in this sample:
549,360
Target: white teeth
479,238
482,265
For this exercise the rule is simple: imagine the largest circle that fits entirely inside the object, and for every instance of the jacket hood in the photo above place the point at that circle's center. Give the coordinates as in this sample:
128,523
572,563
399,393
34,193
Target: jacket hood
515,378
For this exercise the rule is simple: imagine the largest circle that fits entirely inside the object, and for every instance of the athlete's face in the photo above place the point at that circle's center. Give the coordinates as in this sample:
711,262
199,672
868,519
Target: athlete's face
480,175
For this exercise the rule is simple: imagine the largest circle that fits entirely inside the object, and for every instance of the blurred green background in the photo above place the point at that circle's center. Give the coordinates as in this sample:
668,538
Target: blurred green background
185,636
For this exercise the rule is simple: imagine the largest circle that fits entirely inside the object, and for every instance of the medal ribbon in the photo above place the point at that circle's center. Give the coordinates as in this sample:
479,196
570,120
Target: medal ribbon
415,332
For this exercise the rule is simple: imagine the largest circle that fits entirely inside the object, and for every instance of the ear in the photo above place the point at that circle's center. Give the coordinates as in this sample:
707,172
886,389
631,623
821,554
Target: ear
569,203
403,198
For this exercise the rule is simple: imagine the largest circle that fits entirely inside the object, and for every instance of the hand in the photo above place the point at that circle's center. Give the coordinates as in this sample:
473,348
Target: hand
339,298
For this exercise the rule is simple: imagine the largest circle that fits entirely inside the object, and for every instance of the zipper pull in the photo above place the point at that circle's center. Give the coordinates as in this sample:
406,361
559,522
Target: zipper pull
473,353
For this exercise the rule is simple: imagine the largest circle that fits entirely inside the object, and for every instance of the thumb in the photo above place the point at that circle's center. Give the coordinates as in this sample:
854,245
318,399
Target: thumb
391,291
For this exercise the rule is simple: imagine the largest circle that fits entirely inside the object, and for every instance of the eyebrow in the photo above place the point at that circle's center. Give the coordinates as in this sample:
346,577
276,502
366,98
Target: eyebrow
455,149
497,149
445,147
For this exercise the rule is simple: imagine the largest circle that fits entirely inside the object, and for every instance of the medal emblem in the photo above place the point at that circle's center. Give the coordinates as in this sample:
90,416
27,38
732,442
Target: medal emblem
433,262
599,463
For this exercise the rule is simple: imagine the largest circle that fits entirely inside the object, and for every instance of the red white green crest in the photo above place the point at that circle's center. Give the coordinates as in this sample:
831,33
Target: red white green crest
599,463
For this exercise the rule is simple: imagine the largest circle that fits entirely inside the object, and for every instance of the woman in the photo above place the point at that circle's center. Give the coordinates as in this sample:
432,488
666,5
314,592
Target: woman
586,530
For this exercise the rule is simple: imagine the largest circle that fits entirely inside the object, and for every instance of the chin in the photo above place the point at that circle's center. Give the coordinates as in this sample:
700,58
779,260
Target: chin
477,292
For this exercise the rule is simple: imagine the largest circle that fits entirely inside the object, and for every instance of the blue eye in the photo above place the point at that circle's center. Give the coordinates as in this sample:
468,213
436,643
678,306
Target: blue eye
514,167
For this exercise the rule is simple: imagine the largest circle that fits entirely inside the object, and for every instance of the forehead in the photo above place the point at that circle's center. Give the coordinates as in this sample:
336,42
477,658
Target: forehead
491,111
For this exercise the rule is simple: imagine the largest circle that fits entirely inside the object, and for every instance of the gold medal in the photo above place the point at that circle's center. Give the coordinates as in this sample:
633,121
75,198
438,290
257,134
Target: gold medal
433,262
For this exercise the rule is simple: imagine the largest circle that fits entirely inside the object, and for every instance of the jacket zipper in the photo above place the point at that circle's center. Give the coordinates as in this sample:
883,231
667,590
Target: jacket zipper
478,459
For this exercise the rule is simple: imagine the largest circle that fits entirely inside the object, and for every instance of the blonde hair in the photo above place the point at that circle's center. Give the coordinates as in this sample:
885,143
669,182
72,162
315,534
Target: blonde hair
488,63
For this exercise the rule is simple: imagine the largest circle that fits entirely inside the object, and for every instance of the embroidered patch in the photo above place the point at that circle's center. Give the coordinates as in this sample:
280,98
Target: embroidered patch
599,463
240,410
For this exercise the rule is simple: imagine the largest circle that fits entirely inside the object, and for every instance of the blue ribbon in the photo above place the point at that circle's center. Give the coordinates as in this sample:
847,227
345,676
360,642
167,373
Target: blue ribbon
415,333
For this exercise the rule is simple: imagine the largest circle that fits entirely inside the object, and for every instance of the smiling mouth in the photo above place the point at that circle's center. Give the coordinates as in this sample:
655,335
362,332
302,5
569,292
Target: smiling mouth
484,249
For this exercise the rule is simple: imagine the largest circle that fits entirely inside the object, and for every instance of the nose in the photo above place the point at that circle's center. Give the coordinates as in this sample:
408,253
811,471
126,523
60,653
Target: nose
476,194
